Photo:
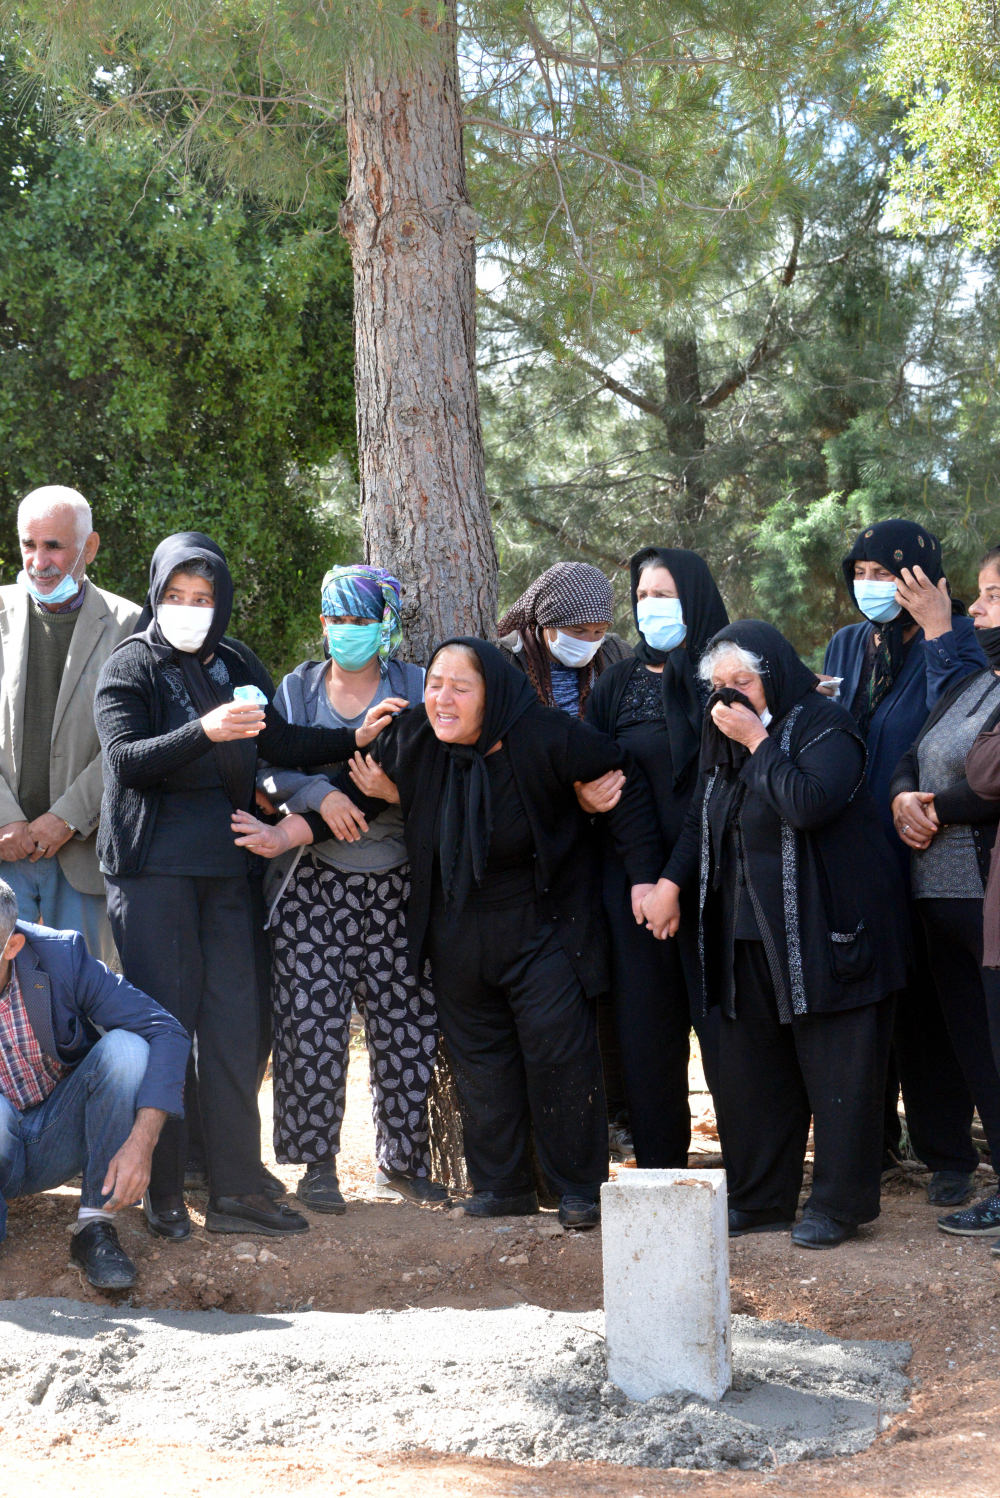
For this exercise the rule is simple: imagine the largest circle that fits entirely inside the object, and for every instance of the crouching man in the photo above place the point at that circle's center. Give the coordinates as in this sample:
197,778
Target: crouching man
90,1070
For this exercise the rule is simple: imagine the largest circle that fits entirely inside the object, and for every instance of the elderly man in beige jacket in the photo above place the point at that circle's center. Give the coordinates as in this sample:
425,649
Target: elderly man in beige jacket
56,631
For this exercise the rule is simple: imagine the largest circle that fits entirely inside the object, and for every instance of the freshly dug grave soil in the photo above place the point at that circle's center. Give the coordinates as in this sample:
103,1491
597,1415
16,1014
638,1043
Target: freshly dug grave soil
900,1280
524,1385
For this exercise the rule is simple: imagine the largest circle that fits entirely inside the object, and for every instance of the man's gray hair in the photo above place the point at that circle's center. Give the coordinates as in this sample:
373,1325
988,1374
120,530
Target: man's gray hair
55,497
724,651
8,913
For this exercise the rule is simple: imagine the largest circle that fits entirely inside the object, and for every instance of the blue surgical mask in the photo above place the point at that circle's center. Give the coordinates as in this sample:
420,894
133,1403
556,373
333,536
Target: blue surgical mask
66,589
353,645
877,601
661,622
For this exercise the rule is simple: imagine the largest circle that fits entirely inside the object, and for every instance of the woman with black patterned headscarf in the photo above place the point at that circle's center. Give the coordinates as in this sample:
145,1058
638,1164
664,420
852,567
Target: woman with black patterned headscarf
557,633
915,644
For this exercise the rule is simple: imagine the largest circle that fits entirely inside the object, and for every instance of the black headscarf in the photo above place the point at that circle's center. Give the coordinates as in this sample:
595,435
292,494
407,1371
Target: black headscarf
785,679
237,760
894,544
465,821
704,614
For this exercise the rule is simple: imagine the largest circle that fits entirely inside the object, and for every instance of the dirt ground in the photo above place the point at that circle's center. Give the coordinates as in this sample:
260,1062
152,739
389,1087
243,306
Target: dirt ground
900,1279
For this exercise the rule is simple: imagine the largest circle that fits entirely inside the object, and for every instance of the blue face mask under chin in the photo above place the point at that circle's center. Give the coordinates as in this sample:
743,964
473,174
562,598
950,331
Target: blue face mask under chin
877,601
661,622
67,588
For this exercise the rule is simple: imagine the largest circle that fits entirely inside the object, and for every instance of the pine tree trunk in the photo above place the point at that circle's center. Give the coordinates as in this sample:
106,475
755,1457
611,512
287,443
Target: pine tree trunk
412,234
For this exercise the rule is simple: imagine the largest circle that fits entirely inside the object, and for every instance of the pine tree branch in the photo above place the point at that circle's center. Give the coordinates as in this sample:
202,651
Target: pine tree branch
559,534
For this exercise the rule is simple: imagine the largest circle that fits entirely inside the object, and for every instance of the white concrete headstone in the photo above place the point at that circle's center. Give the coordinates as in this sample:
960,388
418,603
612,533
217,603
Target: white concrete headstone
666,1282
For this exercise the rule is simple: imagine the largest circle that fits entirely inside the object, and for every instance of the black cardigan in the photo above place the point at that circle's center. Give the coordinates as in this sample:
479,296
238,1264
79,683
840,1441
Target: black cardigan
959,803
130,708
837,934
549,750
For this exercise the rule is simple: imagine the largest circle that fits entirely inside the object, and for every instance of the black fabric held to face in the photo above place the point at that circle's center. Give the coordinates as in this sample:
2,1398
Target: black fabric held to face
718,750
465,821
236,760
704,614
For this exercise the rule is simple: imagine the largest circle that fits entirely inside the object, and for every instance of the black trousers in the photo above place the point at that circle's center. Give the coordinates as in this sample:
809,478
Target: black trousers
970,1000
189,944
653,1017
773,1078
522,1037
924,1065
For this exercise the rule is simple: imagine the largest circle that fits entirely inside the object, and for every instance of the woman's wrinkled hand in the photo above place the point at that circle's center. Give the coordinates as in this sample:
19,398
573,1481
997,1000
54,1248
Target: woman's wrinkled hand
345,820
915,819
602,794
662,909
269,842
739,723
371,779
233,720
377,717
928,605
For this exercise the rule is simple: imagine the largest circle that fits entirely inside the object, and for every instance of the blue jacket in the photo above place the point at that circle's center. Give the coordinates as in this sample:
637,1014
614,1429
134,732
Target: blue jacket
71,998
932,667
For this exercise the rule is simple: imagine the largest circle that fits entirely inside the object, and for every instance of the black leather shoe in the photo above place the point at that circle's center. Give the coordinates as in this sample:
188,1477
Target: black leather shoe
253,1214
950,1188
489,1204
816,1231
766,1221
103,1260
274,1188
166,1222
418,1189
319,1190
579,1212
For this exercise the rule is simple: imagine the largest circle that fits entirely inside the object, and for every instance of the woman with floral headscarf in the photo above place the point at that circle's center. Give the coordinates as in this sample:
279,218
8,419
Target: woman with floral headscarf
338,915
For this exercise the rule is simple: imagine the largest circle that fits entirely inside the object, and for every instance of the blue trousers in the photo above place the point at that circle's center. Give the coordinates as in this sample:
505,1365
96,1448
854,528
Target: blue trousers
79,1128
45,896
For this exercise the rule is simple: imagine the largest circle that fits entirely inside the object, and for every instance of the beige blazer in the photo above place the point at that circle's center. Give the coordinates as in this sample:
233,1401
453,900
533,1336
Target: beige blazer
75,775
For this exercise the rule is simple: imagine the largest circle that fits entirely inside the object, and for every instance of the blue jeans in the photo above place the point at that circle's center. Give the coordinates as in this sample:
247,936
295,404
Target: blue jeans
45,896
80,1127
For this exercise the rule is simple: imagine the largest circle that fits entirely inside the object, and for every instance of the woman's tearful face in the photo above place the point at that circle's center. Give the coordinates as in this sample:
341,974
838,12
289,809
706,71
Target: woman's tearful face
732,673
455,697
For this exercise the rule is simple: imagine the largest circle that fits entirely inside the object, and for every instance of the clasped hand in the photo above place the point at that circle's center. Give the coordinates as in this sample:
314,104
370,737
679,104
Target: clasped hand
915,818
739,723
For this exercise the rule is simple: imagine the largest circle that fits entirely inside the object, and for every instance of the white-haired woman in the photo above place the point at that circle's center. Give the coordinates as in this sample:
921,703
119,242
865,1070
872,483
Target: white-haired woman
801,954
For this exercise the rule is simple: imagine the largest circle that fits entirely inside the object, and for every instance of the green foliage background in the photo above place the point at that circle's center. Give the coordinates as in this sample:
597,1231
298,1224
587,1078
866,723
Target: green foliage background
184,360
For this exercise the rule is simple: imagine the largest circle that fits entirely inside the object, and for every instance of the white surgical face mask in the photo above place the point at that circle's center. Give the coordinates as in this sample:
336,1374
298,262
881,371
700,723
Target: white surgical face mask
183,626
661,622
569,651
877,601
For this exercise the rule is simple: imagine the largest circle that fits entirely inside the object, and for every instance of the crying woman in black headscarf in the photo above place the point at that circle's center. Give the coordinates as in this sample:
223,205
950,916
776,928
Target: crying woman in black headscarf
182,710
652,703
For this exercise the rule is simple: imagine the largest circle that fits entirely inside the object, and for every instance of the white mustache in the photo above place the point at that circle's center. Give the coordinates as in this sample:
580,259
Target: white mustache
43,573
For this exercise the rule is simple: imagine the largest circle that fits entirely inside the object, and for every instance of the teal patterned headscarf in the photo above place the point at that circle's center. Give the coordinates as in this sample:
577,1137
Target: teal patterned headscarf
366,593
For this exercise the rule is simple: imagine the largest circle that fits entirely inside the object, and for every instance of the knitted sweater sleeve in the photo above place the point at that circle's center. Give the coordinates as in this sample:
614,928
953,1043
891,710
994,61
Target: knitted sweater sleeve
124,712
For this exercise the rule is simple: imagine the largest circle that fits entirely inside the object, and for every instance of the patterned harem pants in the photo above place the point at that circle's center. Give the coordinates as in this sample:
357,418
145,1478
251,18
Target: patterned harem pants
341,938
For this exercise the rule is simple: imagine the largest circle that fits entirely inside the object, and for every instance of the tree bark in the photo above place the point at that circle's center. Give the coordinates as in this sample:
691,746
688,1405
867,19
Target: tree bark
412,233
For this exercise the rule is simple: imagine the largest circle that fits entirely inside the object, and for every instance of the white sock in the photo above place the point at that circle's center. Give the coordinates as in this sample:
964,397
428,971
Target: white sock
91,1214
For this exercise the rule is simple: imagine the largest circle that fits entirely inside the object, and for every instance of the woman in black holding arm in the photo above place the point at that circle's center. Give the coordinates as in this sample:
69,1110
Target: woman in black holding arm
180,756
803,932
652,703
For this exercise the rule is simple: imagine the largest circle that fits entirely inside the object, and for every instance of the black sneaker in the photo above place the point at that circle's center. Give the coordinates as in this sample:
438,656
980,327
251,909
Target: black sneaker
767,1220
319,1189
579,1212
620,1143
100,1255
390,1184
980,1221
950,1188
489,1204
253,1214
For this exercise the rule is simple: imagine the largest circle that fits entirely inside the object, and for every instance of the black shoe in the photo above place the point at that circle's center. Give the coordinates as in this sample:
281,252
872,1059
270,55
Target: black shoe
166,1222
620,1144
419,1189
980,1221
766,1221
579,1212
274,1188
103,1260
248,1214
195,1178
489,1204
319,1189
950,1188
817,1231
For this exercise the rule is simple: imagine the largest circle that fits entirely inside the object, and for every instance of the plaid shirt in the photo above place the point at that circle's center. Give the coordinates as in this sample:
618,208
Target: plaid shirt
26,1075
